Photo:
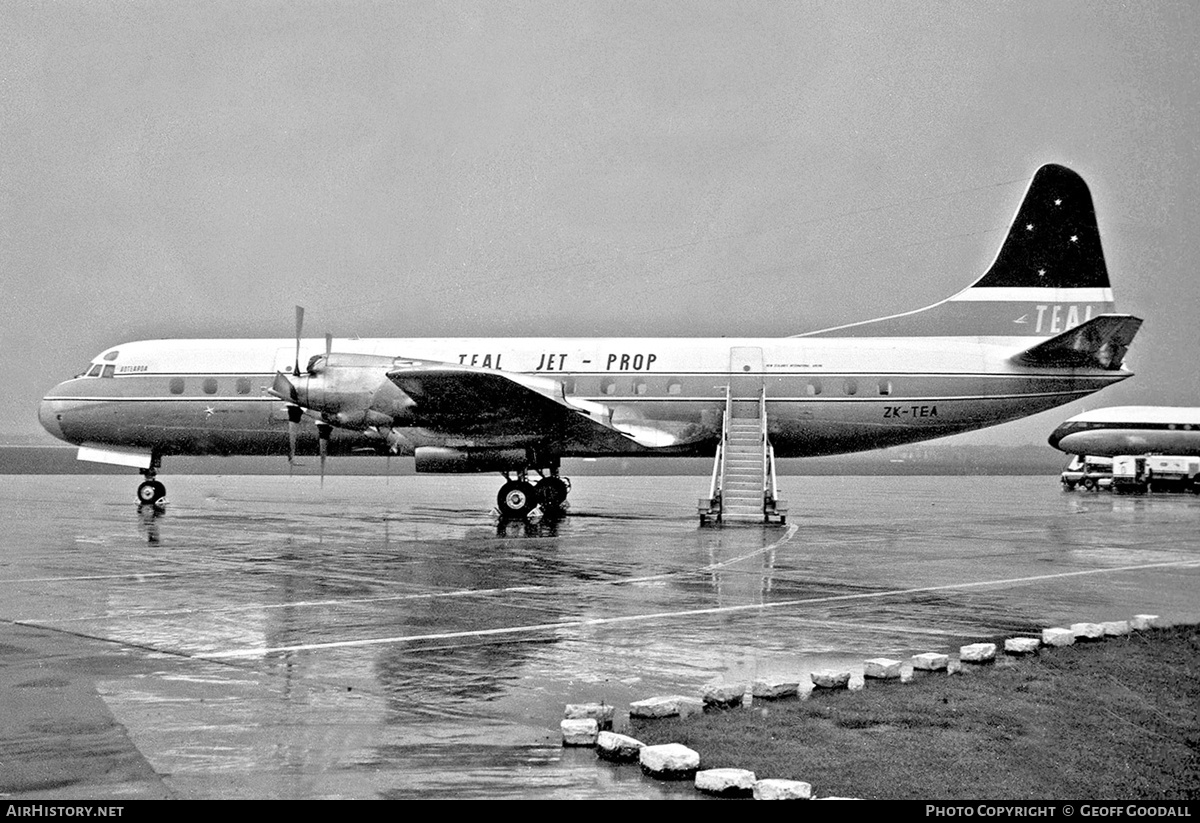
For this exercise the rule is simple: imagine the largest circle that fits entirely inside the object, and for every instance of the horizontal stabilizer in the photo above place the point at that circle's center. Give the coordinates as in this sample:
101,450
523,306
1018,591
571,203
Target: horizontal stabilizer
1099,343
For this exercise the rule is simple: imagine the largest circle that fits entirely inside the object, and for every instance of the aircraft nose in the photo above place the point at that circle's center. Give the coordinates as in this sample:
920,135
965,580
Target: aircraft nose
50,416
1060,434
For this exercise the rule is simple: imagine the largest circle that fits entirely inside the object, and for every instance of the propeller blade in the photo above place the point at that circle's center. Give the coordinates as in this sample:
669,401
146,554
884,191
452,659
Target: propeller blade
299,329
328,346
324,430
294,415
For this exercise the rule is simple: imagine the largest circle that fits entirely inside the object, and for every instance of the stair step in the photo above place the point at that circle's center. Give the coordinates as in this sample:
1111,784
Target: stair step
743,485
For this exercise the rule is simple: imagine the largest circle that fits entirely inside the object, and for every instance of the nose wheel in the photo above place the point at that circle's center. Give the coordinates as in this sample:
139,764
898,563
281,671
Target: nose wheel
151,493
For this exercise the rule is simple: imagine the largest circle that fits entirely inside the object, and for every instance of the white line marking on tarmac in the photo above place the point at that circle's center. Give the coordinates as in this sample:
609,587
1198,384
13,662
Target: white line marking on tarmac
73,578
605,621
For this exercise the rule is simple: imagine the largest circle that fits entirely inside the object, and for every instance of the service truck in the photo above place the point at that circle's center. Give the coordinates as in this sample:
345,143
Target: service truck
1088,472
1140,473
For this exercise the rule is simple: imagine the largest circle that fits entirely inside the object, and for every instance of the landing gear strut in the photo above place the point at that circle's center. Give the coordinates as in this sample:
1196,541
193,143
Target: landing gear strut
518,497
151,492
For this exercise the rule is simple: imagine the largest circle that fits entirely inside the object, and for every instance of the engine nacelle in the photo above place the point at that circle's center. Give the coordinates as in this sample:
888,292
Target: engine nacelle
443,460
352,391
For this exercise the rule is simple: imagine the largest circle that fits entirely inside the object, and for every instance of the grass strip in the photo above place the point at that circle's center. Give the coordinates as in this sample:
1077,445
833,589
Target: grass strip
1115,719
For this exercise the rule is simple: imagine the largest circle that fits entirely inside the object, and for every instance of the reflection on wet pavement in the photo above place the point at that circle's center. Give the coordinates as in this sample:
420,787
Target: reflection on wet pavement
371,640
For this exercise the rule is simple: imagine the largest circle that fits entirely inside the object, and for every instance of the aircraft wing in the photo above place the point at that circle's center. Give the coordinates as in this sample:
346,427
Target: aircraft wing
481,402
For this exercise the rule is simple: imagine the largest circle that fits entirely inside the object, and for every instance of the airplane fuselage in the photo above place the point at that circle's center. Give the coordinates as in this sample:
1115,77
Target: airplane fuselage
823,396
1135,430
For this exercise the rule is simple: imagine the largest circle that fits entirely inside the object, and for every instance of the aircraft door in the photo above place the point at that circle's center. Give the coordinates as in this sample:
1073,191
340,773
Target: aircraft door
745,379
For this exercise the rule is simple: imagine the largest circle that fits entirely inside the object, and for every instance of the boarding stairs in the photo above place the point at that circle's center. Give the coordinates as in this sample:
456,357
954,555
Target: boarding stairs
744,488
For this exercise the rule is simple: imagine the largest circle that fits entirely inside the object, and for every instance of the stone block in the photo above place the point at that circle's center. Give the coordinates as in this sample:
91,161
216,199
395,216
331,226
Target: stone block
669,761
930,662
675,705
619,748
1087,631
1058,637
726,782
830,679
600,712
771,689
775,789
977,653
723,695
1115,628
1141,622
881,668
1022,645
581,732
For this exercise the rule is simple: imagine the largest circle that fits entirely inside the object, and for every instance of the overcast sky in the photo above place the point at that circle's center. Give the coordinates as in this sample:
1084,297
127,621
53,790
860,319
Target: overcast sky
185,169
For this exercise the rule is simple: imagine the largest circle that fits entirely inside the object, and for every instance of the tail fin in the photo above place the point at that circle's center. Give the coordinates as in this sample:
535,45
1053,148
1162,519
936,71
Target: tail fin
1048,277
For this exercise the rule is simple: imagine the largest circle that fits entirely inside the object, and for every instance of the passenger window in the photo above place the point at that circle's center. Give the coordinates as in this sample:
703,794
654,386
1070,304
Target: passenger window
608,386
176,385
851,386
813,388
108,370
568,385
243,385
674,387
885,387
639,386
209,385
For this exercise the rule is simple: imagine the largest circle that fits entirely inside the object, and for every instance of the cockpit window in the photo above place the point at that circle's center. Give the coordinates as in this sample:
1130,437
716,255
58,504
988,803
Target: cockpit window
94,371
111,356
108,370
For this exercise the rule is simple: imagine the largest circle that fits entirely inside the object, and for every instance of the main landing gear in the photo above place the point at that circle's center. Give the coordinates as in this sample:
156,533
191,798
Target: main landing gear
151,492
519,497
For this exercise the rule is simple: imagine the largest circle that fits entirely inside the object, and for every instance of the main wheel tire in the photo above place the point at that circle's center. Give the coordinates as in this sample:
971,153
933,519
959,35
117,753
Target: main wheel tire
516,499
552,493
151,493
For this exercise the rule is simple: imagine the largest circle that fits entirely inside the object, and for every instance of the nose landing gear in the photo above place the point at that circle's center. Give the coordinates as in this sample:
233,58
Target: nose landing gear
151,492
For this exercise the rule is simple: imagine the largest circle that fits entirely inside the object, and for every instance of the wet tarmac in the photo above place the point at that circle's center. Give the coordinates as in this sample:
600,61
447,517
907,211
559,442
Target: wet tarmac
268,638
